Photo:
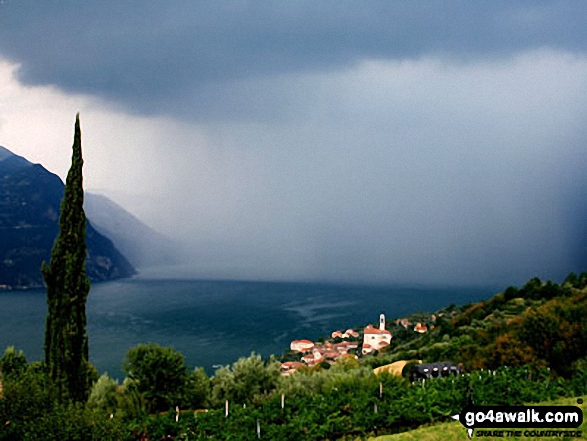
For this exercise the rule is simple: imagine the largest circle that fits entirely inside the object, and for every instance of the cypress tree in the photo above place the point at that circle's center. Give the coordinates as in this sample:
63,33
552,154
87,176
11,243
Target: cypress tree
66,340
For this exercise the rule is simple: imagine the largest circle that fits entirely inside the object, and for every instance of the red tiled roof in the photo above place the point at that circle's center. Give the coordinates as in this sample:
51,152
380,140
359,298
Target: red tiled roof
331,354
420,327
303,341
290,364
350,333
371,330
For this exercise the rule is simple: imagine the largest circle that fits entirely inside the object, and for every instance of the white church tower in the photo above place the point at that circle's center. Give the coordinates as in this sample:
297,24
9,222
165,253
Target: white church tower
376,339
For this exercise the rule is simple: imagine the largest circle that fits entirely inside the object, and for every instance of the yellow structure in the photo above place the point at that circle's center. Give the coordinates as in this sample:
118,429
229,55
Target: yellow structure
393,368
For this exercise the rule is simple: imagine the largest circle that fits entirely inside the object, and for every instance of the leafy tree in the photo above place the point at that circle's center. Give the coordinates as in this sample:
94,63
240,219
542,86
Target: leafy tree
248,377
577,281
24,397
197,389
66,340
509,351
572,279
108,398
557,332
532,288
103,397
511,292
12,362
30,410
131,403
223,385
160,374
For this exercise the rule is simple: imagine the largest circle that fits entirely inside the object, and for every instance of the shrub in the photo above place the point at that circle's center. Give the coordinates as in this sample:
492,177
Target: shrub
248,377
12,362
104,396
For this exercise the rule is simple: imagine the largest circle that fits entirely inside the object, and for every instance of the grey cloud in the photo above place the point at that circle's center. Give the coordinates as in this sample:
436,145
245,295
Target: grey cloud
377,141
429,173
183,58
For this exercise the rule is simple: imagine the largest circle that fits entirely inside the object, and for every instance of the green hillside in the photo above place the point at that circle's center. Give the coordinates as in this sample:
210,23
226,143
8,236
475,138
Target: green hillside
540,324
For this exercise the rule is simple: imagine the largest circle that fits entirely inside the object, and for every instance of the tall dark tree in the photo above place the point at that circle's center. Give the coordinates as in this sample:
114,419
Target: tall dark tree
66,340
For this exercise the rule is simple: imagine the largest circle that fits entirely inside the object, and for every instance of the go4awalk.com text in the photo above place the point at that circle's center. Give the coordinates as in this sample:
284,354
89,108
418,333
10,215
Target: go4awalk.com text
522,421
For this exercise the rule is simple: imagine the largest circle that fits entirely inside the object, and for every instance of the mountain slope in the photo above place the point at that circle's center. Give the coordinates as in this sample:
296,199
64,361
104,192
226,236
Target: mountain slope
142,245
30,198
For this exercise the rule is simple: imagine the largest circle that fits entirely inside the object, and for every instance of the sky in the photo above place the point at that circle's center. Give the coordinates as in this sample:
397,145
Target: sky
433,142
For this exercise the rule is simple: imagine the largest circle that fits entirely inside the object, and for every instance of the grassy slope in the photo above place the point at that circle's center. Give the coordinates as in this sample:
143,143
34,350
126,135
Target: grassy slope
455,431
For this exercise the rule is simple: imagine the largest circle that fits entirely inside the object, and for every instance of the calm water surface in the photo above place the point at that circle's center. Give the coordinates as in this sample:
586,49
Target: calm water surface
216,322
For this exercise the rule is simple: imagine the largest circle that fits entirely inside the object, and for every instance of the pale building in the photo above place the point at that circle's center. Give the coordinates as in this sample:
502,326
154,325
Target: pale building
301,345
420,328
336,334
309,359
376,339
350,333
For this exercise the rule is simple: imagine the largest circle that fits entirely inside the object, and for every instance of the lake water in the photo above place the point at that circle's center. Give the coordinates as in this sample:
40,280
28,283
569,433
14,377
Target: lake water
216,322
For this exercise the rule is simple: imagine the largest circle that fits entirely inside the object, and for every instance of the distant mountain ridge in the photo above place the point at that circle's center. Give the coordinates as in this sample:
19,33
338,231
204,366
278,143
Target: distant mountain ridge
30,200
143,246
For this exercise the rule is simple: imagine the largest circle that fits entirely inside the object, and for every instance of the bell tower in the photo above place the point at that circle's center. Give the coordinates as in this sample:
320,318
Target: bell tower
382,322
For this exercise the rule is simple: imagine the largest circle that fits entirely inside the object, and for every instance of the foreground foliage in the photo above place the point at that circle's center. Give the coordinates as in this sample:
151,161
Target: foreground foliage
524,345
338,403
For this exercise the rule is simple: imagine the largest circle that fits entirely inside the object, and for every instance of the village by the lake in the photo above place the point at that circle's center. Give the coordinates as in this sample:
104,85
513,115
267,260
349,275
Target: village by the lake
345,344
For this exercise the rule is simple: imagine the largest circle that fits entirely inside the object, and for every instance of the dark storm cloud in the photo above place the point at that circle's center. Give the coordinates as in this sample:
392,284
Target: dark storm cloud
184,57
426,141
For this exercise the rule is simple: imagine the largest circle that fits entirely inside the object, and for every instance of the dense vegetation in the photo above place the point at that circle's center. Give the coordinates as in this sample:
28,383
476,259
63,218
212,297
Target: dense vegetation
523,345
540,324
